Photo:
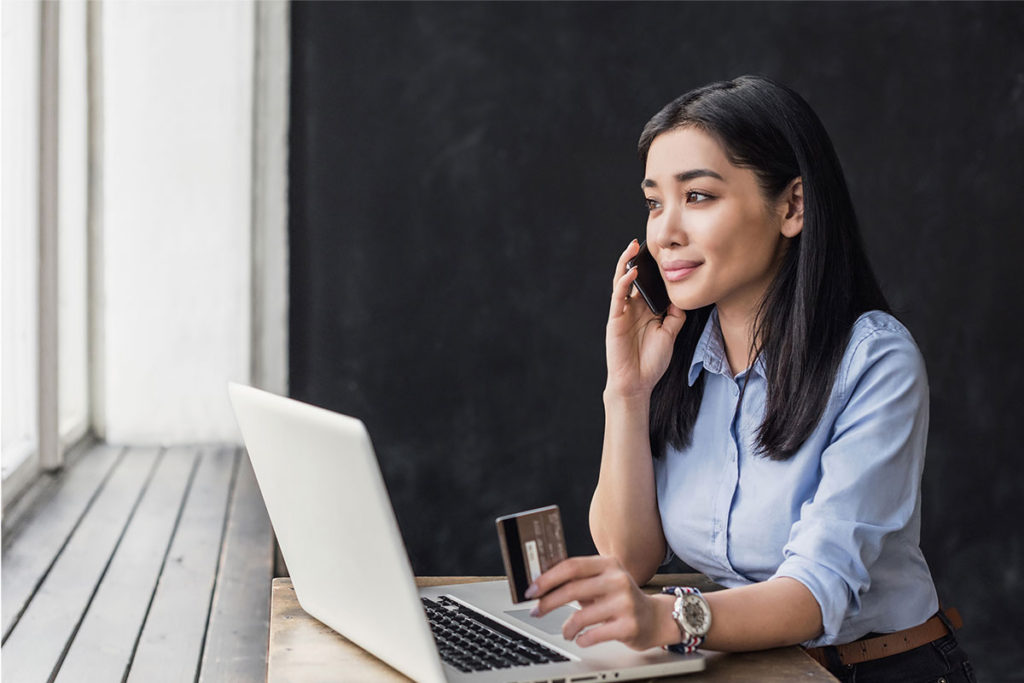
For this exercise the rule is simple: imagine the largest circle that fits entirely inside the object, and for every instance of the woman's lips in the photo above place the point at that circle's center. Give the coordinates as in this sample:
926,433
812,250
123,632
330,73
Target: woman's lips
677,270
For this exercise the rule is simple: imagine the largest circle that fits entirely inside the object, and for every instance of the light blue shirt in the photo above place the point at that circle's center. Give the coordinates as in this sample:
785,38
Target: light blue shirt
842,515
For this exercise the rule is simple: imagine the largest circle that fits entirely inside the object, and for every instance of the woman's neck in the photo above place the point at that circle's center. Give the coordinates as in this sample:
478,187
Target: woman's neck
736,316
737,323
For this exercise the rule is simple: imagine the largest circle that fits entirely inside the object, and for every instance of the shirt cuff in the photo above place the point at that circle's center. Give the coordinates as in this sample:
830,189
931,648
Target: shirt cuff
827,587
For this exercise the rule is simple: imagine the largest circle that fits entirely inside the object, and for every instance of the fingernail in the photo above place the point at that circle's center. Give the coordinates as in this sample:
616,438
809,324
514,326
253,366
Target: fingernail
535,612
531,591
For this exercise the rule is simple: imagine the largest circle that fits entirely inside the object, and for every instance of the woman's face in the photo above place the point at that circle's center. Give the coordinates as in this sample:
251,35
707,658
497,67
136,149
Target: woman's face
708,227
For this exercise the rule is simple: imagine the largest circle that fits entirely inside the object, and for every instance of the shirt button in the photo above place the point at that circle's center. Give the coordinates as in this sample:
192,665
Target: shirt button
735,391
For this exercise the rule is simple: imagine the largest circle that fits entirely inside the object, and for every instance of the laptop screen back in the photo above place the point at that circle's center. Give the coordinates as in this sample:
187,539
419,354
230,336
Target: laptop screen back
333,519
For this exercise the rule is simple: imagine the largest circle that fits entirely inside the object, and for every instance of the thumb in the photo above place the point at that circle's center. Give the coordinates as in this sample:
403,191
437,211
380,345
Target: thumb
674,319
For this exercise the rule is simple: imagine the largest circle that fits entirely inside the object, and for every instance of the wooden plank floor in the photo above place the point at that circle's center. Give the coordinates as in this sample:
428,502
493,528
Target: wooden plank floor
140,564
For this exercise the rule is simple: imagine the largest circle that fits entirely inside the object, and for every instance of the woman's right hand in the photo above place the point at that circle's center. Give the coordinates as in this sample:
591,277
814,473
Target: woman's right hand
638,343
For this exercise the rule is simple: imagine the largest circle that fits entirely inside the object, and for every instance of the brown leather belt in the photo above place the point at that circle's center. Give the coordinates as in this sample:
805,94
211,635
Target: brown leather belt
891,643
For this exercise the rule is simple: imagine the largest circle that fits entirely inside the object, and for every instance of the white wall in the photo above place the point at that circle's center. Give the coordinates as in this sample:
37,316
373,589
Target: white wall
177,82
72,219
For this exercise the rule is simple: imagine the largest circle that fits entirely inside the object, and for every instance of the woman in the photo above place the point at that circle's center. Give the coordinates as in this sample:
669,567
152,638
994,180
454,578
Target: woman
770,428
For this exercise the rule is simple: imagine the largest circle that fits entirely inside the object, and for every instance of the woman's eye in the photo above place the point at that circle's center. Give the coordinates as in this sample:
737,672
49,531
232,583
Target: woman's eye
651,204
692,193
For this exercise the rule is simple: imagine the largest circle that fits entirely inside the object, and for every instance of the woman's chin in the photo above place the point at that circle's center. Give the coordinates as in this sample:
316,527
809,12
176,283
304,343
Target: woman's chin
688,303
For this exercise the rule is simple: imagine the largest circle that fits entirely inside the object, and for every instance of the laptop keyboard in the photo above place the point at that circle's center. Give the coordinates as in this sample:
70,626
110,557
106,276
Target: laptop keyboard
469,641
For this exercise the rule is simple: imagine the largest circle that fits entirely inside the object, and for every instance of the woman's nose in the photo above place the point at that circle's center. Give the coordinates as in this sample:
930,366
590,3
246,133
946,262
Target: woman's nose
668,227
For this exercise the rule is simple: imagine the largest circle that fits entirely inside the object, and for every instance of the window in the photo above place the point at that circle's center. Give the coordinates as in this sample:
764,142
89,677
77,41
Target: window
45,213
19,195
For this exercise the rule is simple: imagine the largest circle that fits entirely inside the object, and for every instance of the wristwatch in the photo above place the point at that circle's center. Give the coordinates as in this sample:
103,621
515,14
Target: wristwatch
693,617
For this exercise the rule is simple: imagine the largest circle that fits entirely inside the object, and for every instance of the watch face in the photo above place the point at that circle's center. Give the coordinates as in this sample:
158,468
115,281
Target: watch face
696,615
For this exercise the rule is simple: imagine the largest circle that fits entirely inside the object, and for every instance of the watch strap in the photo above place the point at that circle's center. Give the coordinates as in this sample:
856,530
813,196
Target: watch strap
689,642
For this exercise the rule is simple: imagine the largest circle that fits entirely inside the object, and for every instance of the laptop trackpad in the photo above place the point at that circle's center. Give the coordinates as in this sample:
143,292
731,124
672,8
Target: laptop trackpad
550,623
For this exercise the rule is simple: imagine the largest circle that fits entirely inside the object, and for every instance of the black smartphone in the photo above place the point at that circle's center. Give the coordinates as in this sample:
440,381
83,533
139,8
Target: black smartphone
648,280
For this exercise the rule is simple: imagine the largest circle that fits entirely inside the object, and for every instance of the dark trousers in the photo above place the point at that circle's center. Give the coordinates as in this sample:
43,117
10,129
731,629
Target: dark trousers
940,661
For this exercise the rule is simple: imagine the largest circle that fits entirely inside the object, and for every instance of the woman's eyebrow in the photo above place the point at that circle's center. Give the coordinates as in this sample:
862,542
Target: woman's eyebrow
686,175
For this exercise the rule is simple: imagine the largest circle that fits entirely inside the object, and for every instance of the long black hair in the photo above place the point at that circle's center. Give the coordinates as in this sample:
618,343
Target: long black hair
803,323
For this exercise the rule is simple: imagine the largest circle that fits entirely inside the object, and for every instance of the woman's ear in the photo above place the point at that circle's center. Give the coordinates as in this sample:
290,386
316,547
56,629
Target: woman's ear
791,208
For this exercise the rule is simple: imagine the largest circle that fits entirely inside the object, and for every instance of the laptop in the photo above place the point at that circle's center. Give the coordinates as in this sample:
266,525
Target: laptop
334,522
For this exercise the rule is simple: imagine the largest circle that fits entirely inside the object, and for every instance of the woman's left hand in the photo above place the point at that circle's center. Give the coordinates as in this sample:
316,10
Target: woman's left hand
612,604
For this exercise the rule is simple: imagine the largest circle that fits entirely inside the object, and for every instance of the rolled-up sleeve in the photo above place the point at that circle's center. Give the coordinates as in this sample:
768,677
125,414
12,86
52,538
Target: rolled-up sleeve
870,476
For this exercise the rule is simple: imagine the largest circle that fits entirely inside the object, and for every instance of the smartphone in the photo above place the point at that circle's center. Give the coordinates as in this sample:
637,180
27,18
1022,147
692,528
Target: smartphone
648,280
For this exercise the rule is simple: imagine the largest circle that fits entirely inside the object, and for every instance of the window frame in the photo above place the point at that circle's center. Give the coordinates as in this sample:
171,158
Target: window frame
45,447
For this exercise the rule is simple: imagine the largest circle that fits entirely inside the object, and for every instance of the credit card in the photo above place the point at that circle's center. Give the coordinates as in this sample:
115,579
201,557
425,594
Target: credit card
531,543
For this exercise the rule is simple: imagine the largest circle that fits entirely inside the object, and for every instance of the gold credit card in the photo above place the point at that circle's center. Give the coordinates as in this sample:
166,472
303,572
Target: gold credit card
531,543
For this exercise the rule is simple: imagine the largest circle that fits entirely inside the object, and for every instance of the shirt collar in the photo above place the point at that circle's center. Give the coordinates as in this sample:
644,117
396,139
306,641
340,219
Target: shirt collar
710,352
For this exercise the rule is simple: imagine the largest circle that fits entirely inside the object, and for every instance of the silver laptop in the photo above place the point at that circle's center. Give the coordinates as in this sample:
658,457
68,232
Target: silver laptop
330,510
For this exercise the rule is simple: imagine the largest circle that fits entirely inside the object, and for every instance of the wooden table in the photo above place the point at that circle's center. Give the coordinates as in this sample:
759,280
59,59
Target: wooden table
303,649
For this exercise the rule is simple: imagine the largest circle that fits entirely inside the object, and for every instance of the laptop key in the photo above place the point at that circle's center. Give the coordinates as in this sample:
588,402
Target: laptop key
470,641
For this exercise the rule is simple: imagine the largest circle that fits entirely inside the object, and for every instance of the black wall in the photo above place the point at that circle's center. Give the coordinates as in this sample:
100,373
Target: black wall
463,178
